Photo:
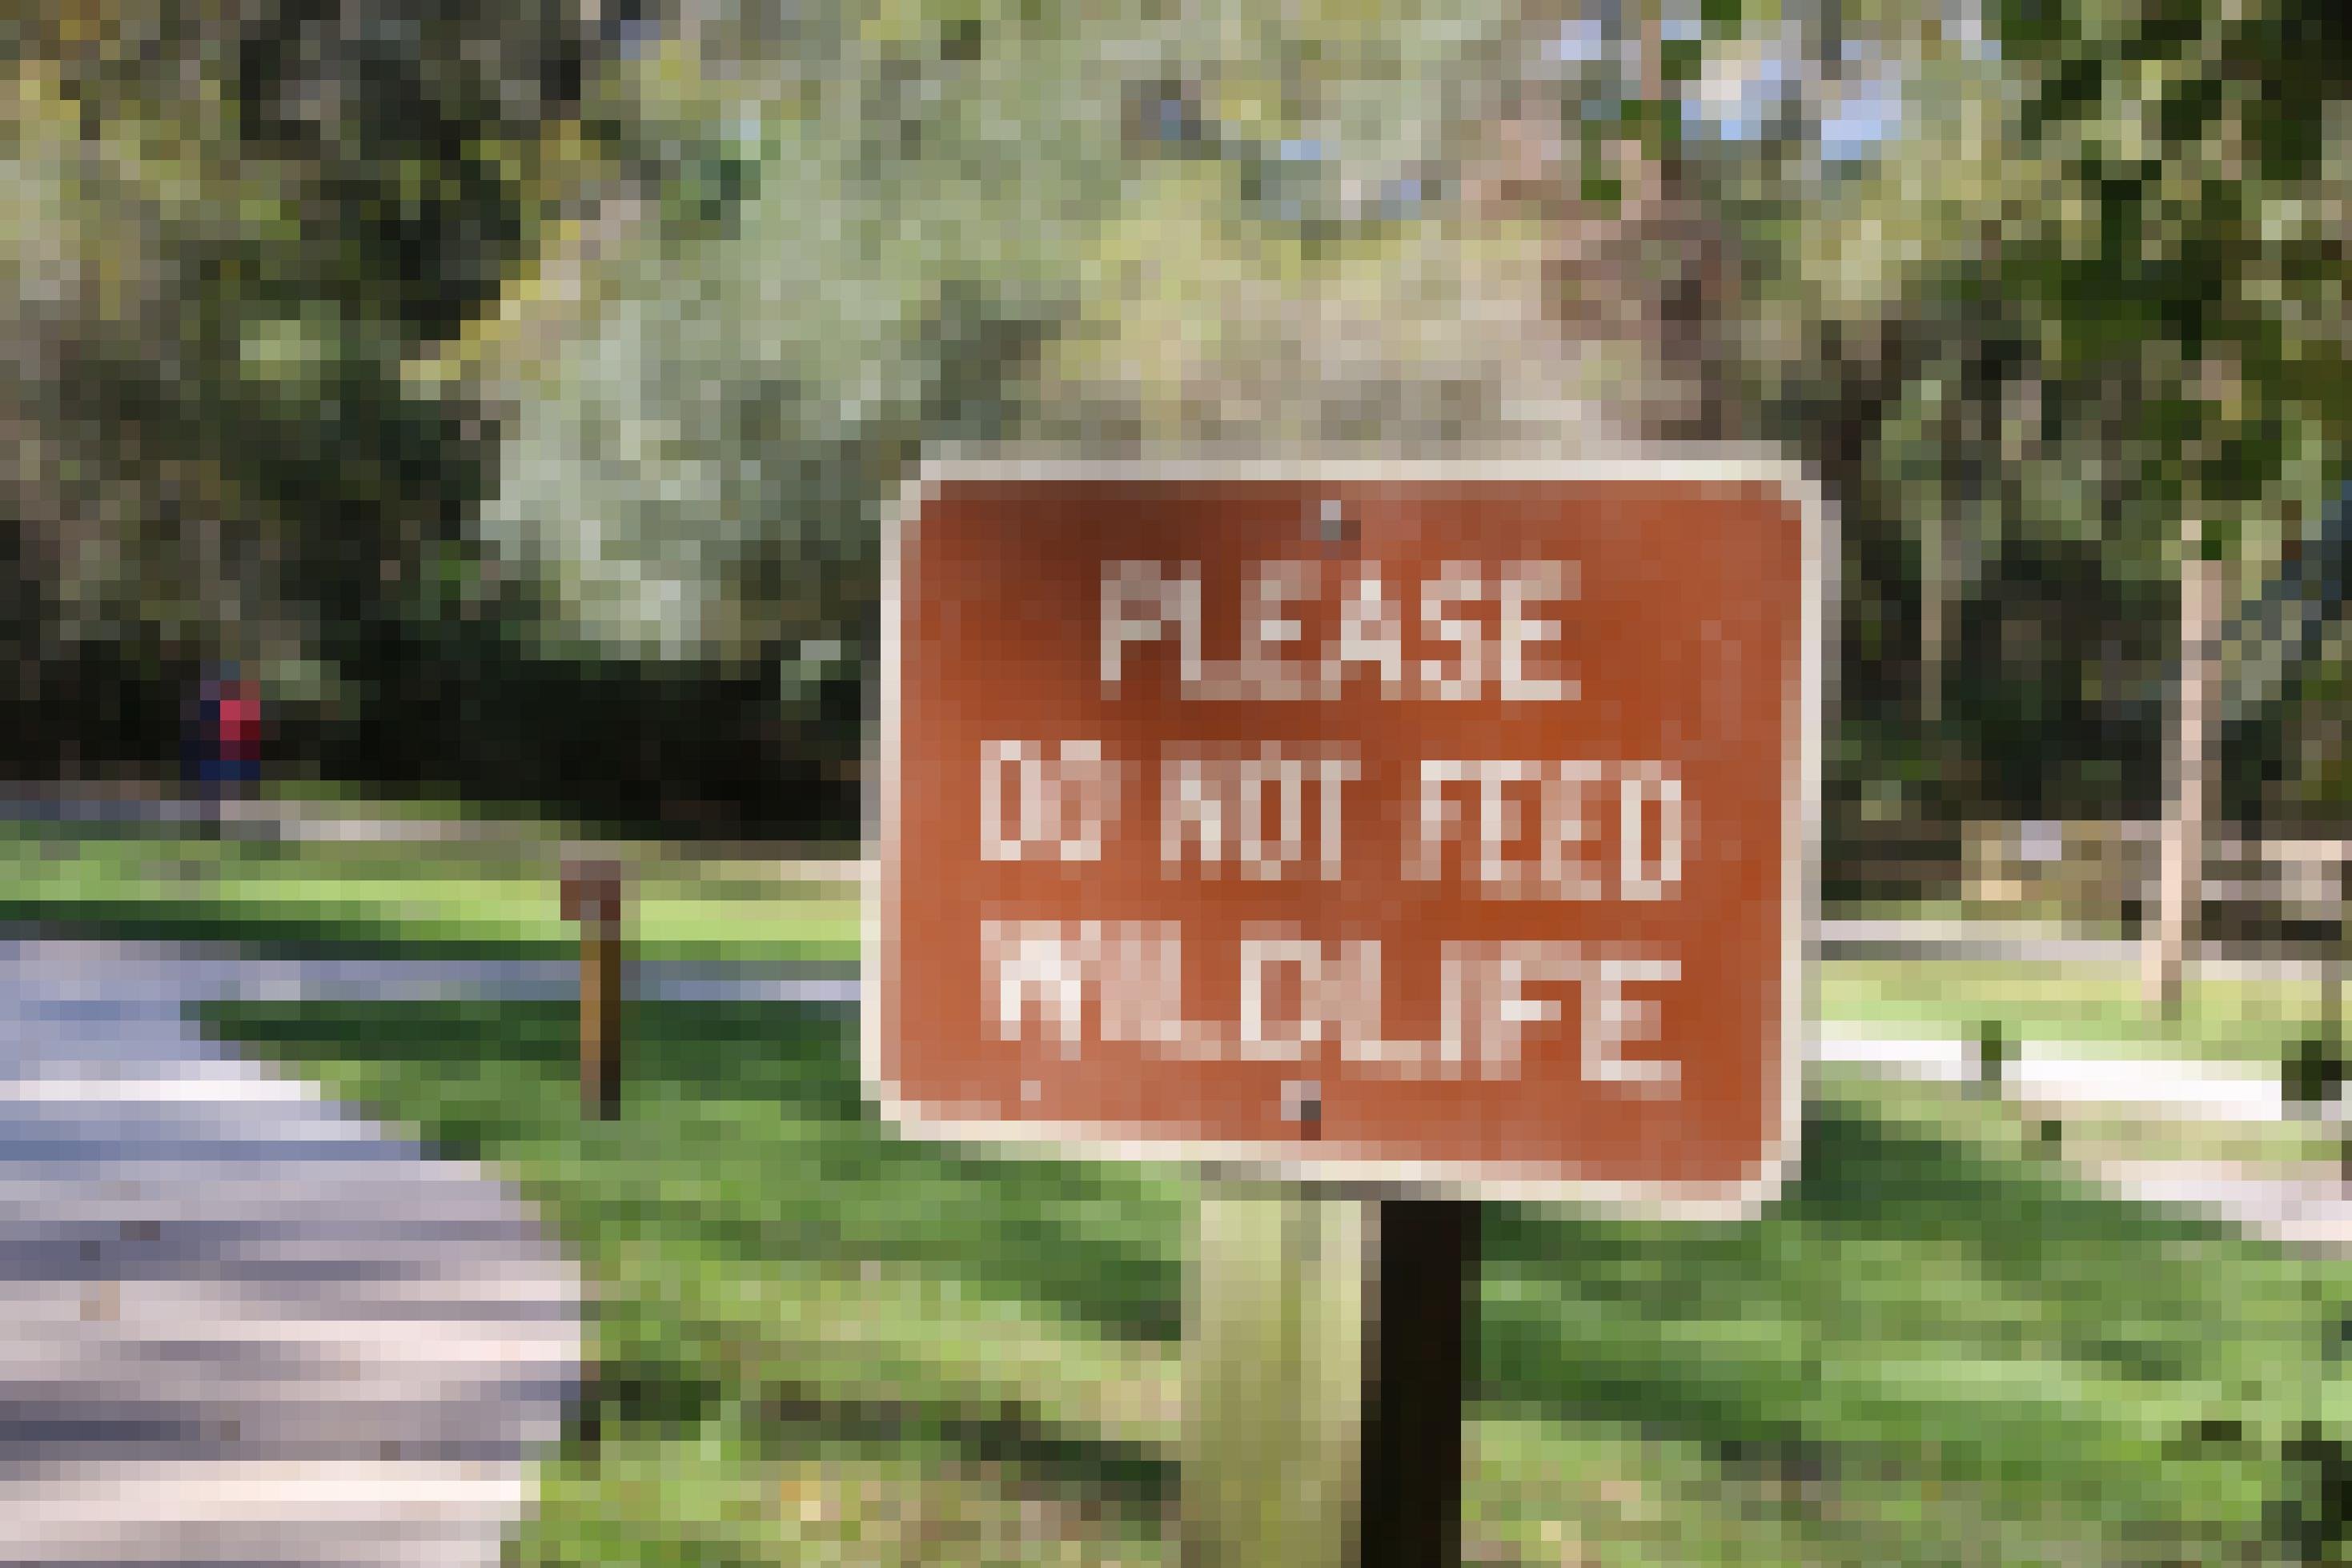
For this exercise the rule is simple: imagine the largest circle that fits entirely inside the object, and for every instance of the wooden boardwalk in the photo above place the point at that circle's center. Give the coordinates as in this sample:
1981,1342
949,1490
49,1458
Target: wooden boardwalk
239,1325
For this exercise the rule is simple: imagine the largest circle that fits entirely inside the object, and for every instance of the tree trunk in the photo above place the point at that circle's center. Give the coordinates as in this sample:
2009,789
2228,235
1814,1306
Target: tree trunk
2190,788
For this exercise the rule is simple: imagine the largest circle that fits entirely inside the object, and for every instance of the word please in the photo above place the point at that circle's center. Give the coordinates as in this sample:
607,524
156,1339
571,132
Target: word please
1564,830
1473,633
1121,982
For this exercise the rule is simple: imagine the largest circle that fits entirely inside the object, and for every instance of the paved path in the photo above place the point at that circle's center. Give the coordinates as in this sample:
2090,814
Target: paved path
188,971
2309,1207
2045,1074
239,1325
2311,1210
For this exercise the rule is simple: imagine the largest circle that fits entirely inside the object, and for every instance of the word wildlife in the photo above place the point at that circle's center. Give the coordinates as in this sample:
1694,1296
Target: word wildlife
1553,828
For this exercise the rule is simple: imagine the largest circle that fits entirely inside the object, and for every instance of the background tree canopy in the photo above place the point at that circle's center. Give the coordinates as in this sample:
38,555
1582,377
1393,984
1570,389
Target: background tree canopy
520,393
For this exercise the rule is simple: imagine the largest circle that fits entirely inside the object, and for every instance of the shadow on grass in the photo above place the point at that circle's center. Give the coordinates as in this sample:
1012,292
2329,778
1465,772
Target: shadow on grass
1897,1250
1127,1477
1866,1193
645,1394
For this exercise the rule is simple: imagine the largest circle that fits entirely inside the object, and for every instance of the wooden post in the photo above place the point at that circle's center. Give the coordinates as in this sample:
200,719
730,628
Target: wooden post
1420,1343
592,895
1324,1384
1272,1378
2332,965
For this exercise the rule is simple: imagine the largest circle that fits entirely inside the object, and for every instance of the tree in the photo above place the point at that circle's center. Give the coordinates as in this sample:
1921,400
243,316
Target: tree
230,226
2181,269
2083,291
824,251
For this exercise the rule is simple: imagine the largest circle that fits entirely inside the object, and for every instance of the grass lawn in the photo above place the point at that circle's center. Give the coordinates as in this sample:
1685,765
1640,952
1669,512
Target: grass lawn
822,1344
467,898
475,897
478,898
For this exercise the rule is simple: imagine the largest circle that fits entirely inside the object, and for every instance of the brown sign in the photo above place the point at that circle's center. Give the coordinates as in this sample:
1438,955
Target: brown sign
1443,824
589,893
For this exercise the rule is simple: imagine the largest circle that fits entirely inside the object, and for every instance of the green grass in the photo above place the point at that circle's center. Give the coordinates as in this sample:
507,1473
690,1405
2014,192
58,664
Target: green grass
475,897
823,1344
467,898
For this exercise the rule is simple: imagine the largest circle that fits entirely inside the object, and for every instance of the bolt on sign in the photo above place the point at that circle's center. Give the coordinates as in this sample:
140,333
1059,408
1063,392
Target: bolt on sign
1445,825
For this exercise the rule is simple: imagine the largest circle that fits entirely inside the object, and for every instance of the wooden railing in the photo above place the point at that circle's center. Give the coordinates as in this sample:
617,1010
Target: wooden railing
2106,872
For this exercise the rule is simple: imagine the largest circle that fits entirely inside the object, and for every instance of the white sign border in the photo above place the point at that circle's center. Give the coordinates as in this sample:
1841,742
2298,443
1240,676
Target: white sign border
1479,1181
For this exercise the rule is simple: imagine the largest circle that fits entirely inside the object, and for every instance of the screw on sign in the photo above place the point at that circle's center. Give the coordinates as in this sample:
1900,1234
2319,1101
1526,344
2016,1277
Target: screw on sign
1443,827
591,895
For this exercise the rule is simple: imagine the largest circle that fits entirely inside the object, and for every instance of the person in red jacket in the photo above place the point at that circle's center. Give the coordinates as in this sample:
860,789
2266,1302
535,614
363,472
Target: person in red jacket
224,743
240,736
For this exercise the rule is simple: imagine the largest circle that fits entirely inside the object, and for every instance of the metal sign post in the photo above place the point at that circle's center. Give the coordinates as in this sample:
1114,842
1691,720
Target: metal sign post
1423,1333
1443,831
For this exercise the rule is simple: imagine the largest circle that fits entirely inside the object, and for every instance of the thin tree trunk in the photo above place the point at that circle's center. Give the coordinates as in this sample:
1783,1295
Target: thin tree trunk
1933,606
2189,787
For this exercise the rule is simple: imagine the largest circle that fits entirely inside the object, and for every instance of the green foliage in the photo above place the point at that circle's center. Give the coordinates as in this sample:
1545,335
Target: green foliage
470,344
852,246
227,230
2196,144
2079,298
